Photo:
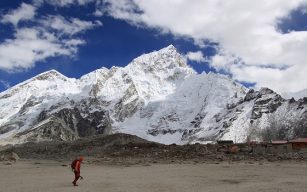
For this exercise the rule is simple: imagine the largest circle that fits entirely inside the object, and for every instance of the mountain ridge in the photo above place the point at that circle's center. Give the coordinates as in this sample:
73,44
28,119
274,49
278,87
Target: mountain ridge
157,96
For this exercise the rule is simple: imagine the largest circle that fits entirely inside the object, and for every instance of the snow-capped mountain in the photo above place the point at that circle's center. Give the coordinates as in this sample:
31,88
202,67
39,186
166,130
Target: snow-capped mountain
157,97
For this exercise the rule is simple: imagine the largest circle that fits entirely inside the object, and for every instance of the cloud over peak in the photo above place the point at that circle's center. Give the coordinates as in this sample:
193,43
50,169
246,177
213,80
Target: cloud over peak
196,56
245,30
249,44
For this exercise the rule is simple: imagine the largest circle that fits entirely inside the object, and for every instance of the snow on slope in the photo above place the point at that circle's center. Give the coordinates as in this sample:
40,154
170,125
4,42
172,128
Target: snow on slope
149,77
168,119
41,91
154,76
157,97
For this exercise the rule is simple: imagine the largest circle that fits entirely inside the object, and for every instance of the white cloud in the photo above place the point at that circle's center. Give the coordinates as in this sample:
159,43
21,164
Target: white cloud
71,26
246,31
63,3
48,36
31,45
296,95
223,61
282,80
196,56
5,84
98,13
23,13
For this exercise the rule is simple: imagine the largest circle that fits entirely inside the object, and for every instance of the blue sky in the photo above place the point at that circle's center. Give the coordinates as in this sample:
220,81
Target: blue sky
259,45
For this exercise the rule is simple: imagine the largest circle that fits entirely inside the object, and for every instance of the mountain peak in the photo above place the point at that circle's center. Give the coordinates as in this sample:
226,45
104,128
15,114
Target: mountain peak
47,75
50,74
169,50
171,47
157,96
163,57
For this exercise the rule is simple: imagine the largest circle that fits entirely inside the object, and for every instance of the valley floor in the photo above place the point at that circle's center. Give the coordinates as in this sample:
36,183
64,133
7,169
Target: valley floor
49,176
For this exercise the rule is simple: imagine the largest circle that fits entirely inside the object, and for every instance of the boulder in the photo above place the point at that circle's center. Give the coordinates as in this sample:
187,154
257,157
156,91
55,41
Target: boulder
9,156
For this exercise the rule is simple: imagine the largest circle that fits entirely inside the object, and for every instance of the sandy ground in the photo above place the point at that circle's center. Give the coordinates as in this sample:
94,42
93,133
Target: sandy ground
47,176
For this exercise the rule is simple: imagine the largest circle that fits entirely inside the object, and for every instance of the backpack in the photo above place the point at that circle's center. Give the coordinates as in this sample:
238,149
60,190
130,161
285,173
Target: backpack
73,164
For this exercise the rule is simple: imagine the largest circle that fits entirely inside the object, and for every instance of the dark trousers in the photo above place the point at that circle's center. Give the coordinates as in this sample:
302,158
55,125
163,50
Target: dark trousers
77,176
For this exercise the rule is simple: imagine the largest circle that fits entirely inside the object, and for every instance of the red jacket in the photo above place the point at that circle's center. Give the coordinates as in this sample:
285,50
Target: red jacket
77,166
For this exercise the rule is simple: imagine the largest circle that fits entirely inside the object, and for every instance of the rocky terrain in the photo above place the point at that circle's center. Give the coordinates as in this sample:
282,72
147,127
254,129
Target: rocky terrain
157,97
123,149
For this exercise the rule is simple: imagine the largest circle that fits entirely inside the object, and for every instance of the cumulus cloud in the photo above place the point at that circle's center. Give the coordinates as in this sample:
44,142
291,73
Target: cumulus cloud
31,45
224,61
246,31
71,26
63,3
23,13
196,56
47,36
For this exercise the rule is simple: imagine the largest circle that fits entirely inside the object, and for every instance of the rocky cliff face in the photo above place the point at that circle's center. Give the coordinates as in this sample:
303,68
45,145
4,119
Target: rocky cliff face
157,97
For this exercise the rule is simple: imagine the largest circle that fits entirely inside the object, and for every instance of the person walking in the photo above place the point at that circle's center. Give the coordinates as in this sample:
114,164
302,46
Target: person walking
75,166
